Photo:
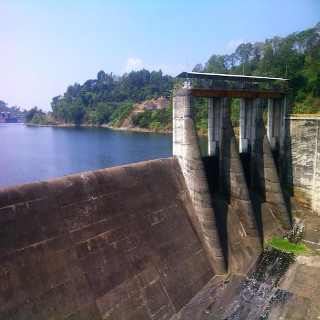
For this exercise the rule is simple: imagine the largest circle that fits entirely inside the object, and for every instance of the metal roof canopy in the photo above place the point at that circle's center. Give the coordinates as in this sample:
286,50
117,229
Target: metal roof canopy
232,77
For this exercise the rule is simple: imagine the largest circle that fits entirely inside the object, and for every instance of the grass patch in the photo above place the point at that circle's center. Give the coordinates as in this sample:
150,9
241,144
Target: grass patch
285,245
224,277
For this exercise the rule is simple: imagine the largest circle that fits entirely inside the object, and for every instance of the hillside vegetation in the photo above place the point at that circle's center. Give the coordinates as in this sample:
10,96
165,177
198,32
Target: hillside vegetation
114,100
296,57
110,99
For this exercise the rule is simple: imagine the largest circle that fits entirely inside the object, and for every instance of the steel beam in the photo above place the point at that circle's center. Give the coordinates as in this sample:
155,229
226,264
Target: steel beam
209,93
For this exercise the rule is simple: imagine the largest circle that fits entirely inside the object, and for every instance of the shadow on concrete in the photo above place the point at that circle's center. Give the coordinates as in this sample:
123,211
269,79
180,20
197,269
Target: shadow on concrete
256,199
211,167
257,178
286,170
265,186
283,165
246,165
220,207
256,202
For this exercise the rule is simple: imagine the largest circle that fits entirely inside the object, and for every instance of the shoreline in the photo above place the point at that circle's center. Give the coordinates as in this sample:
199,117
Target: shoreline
135,129
132,129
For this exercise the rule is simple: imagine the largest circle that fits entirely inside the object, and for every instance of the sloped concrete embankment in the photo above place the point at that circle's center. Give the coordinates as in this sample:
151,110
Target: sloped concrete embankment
115,244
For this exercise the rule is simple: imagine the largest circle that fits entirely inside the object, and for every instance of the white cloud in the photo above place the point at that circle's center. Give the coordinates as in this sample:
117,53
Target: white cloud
133,65
233,44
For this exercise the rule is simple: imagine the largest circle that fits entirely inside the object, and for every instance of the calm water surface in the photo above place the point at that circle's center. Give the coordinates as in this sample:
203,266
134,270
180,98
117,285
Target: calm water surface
37,153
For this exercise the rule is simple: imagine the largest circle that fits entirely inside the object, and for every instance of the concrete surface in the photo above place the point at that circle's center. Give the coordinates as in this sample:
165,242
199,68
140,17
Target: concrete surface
303,160
108,244
186,148
295,296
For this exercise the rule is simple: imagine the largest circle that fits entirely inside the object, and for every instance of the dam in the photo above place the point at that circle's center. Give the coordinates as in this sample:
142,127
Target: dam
155,240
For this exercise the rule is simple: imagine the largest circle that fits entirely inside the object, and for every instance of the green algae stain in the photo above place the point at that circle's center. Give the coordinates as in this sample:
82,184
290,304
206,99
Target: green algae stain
285,245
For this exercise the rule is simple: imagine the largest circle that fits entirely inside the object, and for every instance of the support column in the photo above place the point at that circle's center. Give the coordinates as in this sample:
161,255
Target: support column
245,125
186,148
214,126
277,131
211,143
282,130
264,173
257,131
233,182
270,123
276,123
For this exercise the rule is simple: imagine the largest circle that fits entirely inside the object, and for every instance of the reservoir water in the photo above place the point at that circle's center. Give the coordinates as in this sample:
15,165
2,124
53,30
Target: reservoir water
36,153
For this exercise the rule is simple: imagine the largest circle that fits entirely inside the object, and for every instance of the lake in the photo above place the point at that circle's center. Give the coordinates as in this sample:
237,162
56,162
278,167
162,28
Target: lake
36,153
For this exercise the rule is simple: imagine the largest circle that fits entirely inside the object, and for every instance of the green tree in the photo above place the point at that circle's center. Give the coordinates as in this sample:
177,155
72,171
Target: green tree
76,113
31,113
101,76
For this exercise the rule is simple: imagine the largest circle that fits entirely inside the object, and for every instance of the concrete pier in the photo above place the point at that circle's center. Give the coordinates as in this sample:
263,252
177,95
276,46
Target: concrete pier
264,175
215,216
186,148
254,193
233,181
214,126
276,123
245,125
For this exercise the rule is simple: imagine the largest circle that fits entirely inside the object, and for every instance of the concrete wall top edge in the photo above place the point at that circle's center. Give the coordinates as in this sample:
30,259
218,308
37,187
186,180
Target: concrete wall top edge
80,174
304,117
52,187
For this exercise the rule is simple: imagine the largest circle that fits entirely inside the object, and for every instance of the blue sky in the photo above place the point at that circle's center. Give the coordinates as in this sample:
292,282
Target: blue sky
48,44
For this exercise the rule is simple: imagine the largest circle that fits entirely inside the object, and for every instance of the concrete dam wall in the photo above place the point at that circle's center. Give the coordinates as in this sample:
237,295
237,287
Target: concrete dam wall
303,160
114,244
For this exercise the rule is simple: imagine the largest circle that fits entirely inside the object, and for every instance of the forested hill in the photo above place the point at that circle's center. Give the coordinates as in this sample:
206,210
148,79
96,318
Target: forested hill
296,57
110,99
